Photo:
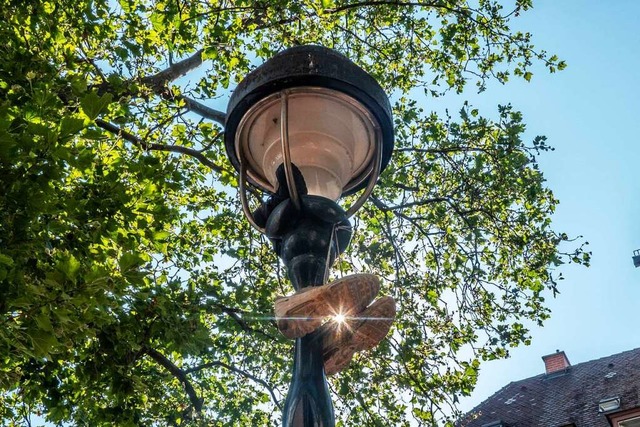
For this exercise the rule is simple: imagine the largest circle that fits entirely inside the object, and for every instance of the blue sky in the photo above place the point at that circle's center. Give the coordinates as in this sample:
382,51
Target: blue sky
589,112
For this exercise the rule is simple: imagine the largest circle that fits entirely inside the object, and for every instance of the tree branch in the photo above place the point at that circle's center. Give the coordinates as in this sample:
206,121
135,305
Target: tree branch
417,203
180,374
158,83
445,150
179,69
233,313
192,105
158,147
237,371
357,5
201,109
447,200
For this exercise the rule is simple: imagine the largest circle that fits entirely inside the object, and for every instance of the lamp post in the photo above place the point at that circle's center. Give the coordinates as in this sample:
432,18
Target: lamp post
307,127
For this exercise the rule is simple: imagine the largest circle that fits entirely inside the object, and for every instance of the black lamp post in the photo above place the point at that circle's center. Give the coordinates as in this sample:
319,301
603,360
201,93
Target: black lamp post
307,127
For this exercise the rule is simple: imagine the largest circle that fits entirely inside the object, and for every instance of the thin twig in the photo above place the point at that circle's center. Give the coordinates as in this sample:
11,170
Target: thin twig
158,147
237,371
233,313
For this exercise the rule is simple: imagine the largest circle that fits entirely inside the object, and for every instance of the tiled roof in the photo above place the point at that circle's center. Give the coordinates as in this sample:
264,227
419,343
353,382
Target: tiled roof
563,398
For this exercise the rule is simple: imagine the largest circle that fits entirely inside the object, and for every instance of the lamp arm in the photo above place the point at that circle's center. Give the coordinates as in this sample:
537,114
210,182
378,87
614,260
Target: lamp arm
286,150
373,178
243,198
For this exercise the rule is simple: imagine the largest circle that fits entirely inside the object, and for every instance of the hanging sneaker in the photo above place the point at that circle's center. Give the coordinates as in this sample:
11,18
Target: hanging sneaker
363,331
306,310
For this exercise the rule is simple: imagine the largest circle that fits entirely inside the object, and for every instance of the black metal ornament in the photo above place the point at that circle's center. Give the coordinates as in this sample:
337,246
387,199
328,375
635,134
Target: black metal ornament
308,241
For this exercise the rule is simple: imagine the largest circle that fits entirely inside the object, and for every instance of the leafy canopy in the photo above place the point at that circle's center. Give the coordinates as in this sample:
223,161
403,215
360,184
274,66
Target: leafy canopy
133,291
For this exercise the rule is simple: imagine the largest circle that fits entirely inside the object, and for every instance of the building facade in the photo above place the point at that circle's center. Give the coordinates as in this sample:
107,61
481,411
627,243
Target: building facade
599,393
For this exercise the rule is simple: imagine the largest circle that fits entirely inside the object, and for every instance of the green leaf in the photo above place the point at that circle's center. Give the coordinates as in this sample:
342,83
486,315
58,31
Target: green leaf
78,85
130,261
70,126
6,260
69,266
7,144
161,235
43,342
44,322
93,105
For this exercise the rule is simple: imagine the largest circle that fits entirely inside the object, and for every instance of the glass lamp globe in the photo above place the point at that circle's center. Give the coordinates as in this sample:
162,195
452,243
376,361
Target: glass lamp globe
332,140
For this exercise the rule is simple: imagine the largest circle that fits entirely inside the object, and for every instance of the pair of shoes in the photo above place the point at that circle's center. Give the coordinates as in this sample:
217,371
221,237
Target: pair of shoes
356,325
341,340
307,309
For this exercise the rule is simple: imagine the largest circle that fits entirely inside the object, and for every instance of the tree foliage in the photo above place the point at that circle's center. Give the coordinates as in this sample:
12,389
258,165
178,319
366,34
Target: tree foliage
133,291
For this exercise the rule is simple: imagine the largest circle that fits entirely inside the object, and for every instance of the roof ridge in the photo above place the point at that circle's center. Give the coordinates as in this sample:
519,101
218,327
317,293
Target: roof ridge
637,349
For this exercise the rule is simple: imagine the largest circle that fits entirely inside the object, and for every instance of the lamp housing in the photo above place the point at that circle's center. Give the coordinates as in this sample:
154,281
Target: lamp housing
311,107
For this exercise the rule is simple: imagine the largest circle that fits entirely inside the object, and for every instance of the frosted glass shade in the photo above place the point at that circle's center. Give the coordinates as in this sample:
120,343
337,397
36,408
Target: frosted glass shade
332,139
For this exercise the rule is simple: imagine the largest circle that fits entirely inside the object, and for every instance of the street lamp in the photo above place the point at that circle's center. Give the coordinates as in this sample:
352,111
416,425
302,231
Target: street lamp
305,128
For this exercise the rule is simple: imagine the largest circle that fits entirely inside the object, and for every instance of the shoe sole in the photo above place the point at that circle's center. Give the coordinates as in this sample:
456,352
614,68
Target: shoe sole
306,310
368,329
